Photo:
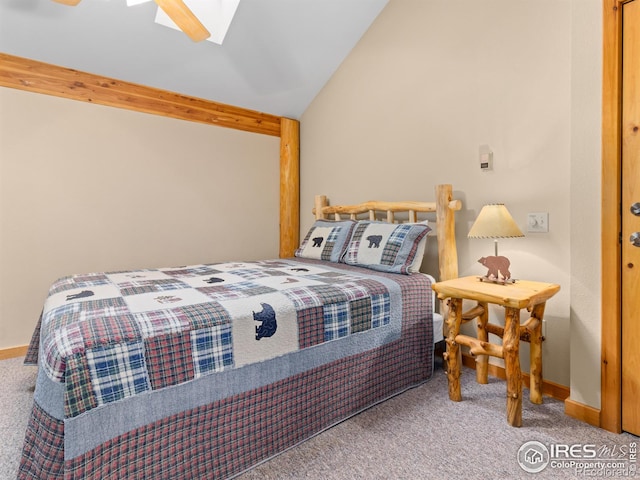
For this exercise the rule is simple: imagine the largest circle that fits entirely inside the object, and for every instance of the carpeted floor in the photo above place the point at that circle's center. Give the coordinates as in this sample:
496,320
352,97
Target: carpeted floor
16,398
419,434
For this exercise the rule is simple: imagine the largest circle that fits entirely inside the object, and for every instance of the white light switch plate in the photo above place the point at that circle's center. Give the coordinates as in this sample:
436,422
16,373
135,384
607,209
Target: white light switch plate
538,222
486,158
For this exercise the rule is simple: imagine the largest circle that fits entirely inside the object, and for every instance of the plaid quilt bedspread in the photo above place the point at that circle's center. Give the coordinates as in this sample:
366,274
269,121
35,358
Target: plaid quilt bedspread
214,399
109,336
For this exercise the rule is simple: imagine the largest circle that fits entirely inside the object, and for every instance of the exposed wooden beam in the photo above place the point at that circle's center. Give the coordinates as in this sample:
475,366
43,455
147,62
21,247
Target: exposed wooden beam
39,77
71,3
289,187
184,18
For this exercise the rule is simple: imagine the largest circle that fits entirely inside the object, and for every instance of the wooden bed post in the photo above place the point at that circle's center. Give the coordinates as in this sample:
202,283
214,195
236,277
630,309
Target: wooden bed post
320,202
446,232
289,187
447,257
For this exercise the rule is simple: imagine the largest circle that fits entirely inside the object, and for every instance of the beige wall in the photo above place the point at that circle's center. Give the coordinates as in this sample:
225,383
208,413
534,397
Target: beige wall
88,188
586,161
428,84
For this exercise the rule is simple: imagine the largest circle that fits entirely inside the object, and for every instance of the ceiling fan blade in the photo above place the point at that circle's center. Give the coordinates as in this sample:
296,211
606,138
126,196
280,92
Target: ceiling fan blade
71,3
184,18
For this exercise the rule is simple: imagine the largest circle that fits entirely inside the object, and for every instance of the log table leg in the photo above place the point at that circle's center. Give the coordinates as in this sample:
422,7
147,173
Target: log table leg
453,354
482,361
511,347
535,356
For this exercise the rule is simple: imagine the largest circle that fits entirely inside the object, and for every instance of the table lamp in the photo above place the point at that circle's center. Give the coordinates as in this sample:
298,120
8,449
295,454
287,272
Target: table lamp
495,221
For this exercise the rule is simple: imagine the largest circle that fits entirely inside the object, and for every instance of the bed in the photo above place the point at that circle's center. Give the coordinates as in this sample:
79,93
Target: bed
204,371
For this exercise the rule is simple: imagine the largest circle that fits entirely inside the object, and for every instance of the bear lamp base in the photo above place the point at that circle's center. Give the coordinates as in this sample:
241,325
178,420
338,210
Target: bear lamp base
498,270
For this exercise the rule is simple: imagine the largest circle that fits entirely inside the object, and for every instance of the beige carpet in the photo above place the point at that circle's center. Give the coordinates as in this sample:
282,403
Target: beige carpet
16,398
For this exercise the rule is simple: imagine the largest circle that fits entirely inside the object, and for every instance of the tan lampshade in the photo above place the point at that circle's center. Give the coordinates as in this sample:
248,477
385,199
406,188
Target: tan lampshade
495,221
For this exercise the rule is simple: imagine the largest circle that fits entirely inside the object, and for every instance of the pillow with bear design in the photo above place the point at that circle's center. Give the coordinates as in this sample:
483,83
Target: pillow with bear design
326,240
386,247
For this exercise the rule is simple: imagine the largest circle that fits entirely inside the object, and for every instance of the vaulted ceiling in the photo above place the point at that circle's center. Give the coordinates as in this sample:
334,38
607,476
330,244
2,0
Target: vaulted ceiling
276,56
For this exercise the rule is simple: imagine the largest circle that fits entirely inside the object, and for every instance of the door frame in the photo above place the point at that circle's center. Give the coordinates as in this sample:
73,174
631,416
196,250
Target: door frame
611,224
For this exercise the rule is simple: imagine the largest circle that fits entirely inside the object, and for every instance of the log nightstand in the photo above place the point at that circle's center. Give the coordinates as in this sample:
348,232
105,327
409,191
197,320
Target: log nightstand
513,297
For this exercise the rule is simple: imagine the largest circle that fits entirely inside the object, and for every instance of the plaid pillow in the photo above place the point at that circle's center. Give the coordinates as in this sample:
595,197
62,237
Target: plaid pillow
386,247
326,240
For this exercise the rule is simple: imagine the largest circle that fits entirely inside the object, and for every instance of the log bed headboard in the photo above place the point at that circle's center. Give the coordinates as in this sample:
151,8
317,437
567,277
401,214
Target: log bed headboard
444,207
